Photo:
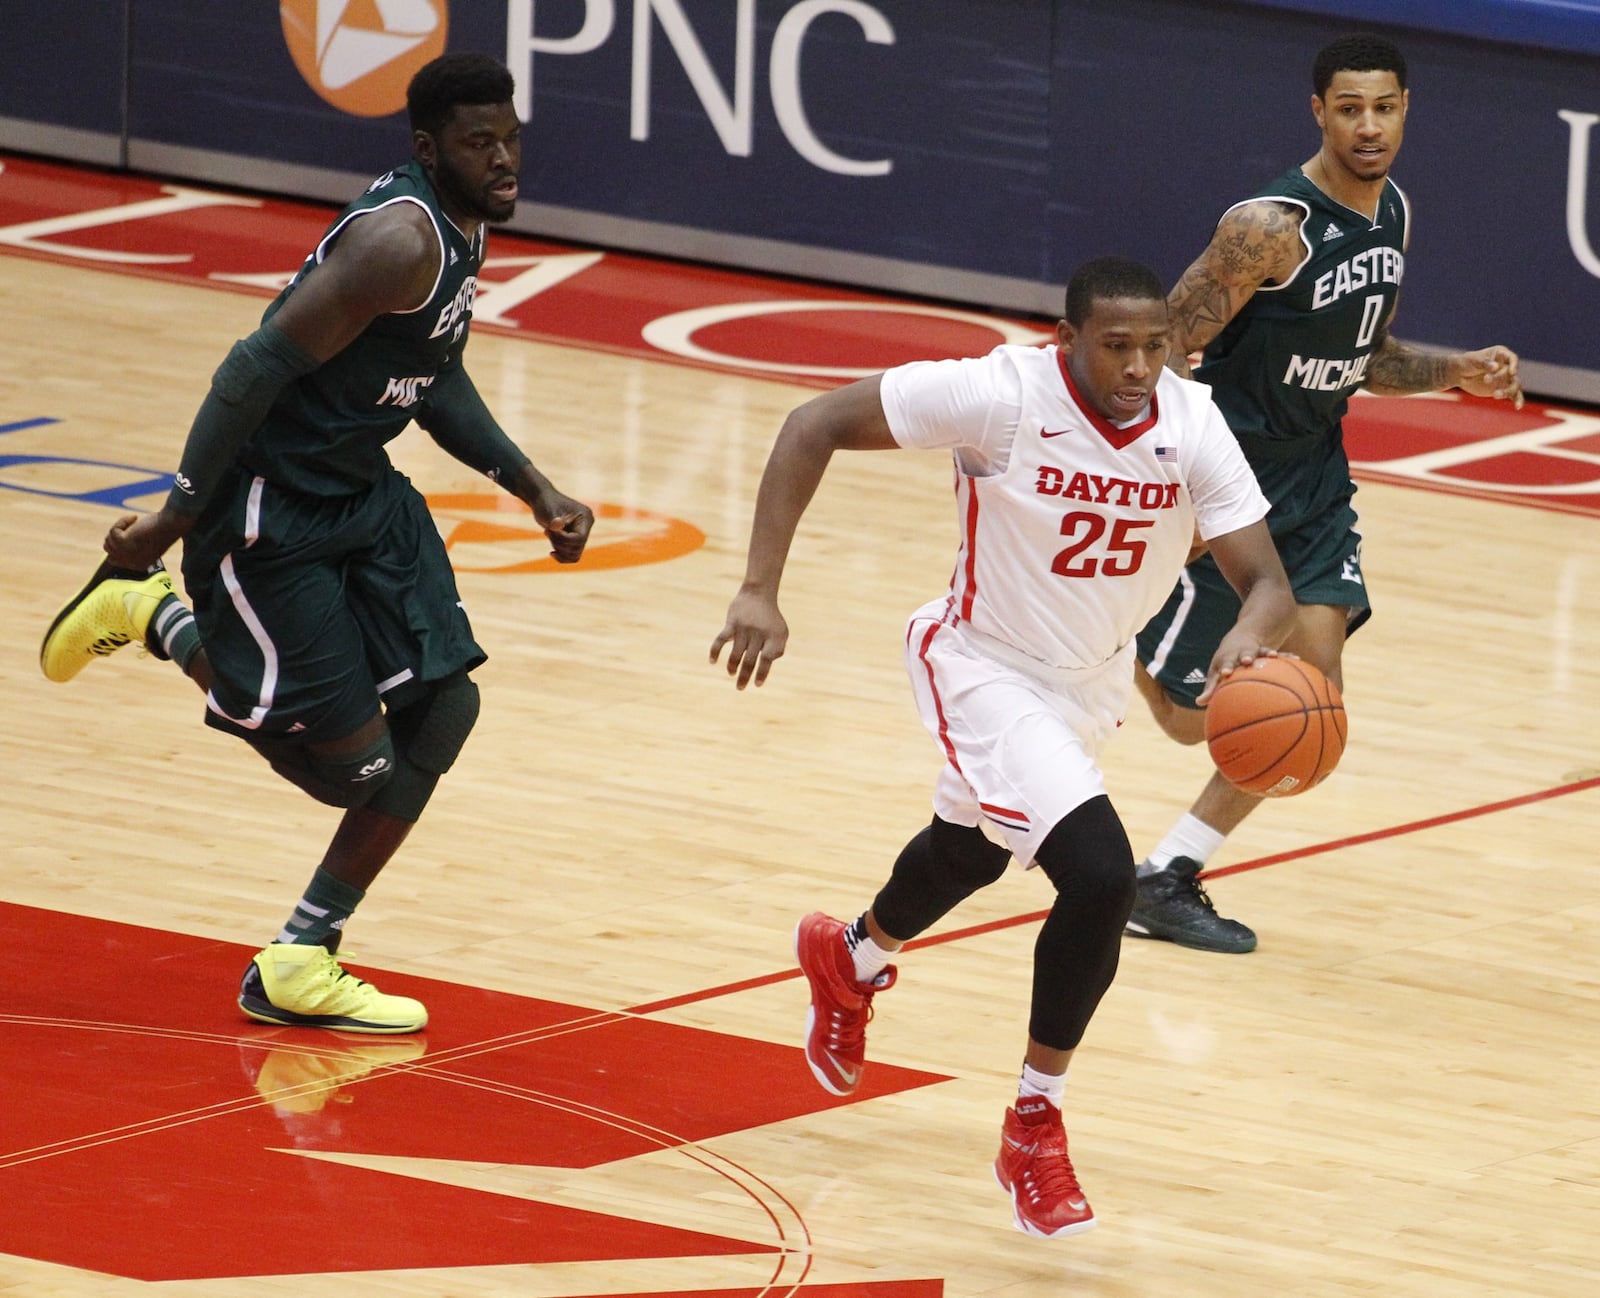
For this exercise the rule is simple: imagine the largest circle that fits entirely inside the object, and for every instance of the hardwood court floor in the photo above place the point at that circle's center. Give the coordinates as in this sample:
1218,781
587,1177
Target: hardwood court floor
1395,1095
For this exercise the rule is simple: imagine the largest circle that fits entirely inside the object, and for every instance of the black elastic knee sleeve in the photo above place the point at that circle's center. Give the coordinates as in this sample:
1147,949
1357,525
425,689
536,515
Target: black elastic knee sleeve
936,871
1090,861
431,732
429,735
348,780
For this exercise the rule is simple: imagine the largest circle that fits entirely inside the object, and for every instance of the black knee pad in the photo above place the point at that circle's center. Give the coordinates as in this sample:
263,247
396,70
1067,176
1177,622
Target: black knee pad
936,871
431,732
348,780
429,735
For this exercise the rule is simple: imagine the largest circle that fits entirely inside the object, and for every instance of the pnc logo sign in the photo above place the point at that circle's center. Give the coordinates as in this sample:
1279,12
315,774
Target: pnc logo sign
359,55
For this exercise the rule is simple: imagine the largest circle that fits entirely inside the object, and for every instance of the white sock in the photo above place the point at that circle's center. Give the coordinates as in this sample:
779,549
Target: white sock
870,958
1190,837
1052,1086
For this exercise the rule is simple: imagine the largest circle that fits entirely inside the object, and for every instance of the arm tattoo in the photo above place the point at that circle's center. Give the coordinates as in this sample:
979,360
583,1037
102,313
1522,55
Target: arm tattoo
1396,369
1254,244
1200,307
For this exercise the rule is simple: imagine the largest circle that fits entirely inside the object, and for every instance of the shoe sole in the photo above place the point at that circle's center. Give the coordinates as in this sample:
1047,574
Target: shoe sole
266,1012
1027,1228
1134,930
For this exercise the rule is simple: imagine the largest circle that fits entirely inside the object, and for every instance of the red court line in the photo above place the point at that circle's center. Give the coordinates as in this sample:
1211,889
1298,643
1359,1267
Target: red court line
1412,827
1037,916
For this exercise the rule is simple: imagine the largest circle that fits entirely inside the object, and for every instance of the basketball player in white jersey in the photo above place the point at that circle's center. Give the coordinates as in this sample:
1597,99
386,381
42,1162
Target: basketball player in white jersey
1083,471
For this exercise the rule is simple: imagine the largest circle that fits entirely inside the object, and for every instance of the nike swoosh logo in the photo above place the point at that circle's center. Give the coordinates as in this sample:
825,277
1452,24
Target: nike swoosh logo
848,1076
1059,432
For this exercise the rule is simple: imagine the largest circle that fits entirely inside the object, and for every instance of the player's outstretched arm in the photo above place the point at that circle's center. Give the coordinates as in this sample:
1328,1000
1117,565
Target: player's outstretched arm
1254,244
1398,369
1249,560
849,418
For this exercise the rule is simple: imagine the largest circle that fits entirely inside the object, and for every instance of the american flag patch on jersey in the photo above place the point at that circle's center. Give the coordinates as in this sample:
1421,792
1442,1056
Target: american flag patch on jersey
1167,453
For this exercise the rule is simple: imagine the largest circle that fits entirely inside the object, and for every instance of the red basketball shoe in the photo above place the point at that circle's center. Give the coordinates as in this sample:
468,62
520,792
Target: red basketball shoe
1046,1199
836,1023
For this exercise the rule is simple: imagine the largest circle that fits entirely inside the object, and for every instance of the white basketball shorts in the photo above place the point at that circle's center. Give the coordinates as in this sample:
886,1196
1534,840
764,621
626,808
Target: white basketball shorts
1021,739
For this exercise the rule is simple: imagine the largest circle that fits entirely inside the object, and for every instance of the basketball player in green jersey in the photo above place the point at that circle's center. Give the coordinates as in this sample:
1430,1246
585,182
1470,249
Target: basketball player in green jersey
1290,304
327,631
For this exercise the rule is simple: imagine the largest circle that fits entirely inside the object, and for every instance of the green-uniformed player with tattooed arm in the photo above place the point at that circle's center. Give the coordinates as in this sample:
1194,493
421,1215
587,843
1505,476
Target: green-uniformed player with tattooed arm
1290,304
327,631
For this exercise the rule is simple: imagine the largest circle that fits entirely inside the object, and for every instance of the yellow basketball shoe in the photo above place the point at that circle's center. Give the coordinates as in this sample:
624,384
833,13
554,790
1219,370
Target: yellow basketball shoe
113,609
305,987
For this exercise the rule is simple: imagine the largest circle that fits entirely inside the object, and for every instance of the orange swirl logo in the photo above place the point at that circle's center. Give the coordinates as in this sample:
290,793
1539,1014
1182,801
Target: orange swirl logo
359,55
492,532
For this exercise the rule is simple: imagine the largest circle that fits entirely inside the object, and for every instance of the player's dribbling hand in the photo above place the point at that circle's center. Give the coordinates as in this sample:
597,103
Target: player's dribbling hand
1491,372
756,635
1234,652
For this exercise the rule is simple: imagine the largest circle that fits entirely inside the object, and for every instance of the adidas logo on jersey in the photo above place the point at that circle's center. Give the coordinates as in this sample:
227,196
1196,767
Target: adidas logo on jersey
1196,677
1332,232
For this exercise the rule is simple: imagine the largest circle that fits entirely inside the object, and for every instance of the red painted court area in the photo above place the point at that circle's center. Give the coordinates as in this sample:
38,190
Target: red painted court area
209,1125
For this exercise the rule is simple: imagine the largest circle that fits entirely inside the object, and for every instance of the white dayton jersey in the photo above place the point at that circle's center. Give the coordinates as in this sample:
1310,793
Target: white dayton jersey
1073,529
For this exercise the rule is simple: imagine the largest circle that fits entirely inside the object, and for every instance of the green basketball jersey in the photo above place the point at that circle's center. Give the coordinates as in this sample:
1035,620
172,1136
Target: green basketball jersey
326,432
1285,366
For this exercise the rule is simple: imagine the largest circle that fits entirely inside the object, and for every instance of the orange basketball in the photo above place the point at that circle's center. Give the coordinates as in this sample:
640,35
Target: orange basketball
1276,727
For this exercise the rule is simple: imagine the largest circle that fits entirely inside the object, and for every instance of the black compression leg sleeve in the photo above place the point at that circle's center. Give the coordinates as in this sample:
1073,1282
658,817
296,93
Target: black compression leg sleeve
1090,861
936,871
